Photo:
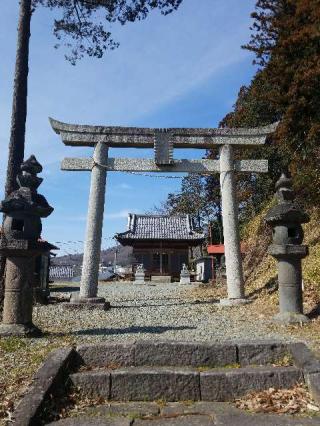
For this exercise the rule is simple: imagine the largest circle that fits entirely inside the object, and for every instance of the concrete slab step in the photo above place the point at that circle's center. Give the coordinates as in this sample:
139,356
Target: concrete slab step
132,409
181,384
93,421
178,413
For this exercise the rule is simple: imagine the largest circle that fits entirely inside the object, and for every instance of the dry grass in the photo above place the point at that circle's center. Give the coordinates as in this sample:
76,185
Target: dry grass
296,400
20,359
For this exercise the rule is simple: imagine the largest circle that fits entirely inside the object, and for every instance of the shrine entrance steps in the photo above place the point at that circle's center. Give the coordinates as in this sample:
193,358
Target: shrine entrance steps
171,371
148,383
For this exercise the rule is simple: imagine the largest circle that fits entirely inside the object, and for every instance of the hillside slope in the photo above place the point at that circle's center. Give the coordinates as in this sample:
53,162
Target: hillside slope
107,256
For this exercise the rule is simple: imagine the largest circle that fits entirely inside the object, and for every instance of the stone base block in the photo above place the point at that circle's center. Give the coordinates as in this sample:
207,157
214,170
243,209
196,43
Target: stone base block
92,383
151,384
234,302
222,385
20,330
262,352
195,354
184,280
313,382
107,355
288,318
140,384
88,303
303,358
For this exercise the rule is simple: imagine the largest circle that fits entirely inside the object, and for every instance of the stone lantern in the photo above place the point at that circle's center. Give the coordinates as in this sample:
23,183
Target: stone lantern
286,219
21,243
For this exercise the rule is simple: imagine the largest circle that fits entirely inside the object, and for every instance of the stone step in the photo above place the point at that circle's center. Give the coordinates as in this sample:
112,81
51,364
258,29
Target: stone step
177,413
182,384
181,354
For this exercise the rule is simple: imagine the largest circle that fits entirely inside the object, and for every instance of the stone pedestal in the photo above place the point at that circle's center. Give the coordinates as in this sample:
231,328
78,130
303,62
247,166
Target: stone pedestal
290,282
229,204
92,248
184,275
18,295
18,298
90,303
139,276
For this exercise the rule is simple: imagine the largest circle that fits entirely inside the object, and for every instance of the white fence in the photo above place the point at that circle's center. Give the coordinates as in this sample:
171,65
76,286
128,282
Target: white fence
61,272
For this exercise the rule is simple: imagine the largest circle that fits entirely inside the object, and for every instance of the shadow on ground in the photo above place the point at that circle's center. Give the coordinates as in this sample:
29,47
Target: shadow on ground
270,287
314,313
126,330
64,289
150,305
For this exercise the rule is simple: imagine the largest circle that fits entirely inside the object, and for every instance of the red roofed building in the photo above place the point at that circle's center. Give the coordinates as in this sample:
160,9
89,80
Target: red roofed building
218,259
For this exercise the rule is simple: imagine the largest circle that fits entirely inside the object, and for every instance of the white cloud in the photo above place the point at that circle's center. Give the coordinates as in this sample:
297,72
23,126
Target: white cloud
120,214
124,186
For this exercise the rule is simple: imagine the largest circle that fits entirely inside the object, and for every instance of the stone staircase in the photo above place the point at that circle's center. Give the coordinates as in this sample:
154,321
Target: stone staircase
168,383
173,371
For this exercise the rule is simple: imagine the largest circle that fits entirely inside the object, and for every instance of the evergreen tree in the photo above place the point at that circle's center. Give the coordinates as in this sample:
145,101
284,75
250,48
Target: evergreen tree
84,28
285,39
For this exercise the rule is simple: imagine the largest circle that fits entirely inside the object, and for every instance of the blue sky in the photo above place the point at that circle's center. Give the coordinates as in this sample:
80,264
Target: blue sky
184,70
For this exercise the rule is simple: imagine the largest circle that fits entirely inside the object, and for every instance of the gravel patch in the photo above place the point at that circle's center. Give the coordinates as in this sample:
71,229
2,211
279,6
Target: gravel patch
161,311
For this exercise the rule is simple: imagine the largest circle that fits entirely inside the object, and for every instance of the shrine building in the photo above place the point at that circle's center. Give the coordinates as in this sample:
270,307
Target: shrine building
161,243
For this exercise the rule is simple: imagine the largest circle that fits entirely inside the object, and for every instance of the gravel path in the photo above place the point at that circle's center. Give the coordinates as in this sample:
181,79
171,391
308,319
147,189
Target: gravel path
162,311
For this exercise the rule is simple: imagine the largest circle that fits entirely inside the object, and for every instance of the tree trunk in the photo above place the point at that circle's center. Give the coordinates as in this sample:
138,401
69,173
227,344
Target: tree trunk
19,105
19,110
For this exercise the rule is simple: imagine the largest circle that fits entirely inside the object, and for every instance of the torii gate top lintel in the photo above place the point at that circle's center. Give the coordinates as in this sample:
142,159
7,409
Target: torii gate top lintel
141,137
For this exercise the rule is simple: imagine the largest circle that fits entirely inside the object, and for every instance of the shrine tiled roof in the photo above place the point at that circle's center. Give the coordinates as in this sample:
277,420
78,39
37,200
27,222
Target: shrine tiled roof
160,227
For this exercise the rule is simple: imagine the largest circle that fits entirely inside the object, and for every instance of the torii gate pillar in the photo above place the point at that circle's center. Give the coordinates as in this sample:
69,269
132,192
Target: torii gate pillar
92,248
229,204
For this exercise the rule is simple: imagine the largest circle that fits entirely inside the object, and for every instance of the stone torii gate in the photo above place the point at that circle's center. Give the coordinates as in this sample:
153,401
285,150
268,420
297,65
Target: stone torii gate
163,141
